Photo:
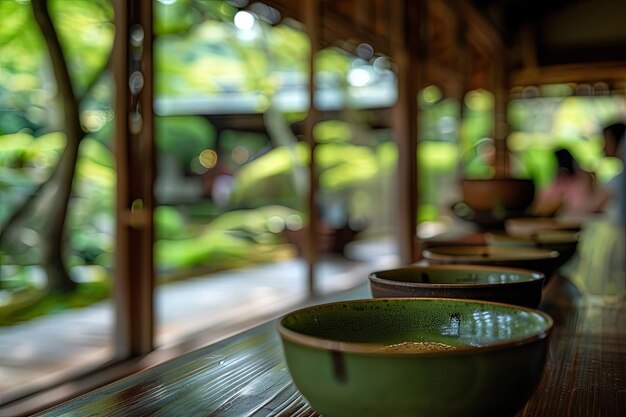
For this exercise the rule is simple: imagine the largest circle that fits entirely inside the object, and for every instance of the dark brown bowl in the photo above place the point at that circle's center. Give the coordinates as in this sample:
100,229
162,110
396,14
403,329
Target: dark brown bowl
500,194
505,285
562,241
542,260
529,226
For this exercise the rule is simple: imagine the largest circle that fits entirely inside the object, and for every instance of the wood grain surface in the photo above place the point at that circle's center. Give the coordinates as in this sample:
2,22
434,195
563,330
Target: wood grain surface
246,374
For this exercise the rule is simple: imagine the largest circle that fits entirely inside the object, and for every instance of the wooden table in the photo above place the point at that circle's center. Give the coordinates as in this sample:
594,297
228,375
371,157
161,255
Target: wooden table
246,374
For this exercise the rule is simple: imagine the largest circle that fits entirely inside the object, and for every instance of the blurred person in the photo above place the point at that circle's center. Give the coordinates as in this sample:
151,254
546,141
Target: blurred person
614,147
573,193
600,273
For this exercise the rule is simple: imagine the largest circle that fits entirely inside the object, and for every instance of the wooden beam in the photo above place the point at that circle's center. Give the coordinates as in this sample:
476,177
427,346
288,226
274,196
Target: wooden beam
611,72
481,30
450,80
528,46
287,9
337,30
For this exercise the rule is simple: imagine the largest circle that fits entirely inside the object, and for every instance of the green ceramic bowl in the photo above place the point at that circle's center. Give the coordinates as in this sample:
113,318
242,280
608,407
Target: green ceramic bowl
542,260
420,357
489,283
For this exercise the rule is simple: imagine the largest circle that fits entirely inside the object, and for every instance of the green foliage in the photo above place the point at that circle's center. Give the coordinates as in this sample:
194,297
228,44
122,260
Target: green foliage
343,166
175,17
89,245
174,254
478,123
199,61
387,155
33,303
91,221
179,17
184,136
540,165
25,162
234,239
169,223
267,179
86,31
210,56
22,150
21,55
437,157
543,125
334,61
332,131
251,143
288,48
252,221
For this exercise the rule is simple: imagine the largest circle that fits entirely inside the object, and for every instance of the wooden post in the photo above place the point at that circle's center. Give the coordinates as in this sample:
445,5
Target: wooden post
407,18
312,24
501,126
134,150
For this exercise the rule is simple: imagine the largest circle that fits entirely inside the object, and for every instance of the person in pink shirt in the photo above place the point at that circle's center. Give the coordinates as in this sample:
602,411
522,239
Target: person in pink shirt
574,191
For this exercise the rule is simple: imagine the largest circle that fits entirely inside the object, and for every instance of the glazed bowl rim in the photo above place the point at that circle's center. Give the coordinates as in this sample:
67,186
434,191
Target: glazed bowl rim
428,254
534,222
533,276
555,237
367,348
499,179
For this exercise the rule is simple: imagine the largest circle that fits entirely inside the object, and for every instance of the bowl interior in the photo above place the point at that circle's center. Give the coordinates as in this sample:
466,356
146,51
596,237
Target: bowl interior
451,275
488,253
376,325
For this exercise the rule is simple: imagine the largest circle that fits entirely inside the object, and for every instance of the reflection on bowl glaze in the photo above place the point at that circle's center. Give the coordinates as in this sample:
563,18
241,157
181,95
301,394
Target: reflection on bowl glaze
414,347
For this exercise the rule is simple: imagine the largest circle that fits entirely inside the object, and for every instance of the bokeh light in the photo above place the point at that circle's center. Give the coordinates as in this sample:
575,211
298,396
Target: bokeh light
431,94
244,20
479,100
240,155
208,158
359,77
275,224
294,222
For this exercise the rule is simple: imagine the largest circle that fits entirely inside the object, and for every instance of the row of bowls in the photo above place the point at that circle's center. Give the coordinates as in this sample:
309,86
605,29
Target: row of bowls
456,335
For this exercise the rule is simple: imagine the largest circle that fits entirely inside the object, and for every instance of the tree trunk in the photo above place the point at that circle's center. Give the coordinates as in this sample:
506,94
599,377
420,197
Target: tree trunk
52,234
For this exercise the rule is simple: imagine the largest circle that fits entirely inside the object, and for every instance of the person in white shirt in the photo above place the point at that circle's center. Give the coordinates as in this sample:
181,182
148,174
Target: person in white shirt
600,273
614,147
